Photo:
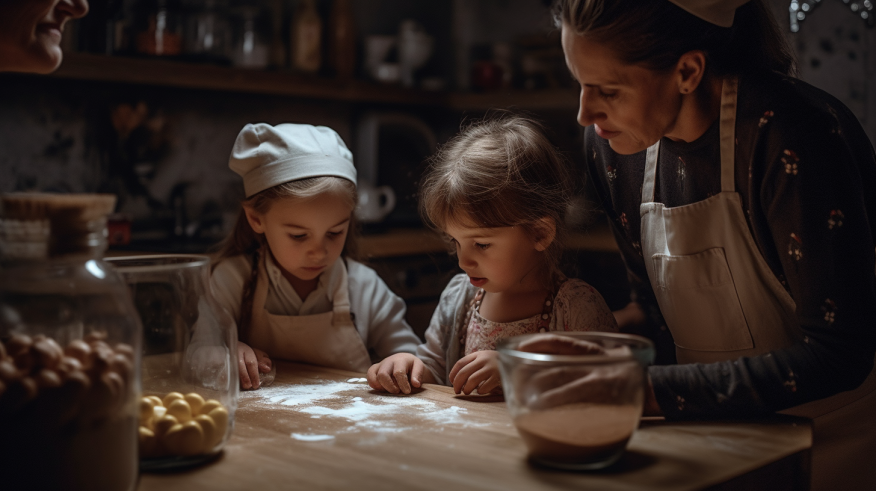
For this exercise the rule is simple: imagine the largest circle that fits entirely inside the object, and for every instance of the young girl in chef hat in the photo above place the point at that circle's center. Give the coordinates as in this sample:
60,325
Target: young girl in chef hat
499,191
282,273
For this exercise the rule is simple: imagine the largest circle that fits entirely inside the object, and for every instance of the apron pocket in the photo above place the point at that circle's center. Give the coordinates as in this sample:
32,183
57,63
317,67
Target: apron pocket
698,300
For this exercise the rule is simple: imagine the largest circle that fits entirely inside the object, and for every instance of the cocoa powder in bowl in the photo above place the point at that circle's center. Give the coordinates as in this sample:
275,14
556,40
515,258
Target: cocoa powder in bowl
577,434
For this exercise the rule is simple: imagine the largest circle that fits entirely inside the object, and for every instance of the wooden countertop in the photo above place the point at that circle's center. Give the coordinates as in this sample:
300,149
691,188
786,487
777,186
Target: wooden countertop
436,440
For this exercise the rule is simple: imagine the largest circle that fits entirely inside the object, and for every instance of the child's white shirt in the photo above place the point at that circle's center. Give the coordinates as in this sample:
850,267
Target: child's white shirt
378,312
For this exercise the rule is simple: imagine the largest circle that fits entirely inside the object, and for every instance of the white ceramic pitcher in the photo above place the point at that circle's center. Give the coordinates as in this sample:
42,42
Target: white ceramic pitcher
374,202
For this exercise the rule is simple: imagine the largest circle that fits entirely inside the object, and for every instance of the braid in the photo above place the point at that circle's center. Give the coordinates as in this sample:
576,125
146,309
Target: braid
249,287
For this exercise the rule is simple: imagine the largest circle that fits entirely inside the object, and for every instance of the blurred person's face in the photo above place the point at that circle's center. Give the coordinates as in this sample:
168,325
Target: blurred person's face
30,33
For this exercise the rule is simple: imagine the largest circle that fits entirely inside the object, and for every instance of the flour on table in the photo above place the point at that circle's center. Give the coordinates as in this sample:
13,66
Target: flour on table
380,414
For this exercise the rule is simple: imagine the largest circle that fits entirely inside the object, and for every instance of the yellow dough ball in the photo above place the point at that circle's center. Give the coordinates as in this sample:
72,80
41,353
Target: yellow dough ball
220,418
210,405
209,429
186,439
169,398
156,401
146,409
180,410
195,402
164,424
158,412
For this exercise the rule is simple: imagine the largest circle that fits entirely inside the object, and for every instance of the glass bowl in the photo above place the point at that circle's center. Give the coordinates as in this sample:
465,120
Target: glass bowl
575,411
189,367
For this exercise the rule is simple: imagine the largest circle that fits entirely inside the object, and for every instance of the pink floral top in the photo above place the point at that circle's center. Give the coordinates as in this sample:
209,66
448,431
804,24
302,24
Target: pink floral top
577,307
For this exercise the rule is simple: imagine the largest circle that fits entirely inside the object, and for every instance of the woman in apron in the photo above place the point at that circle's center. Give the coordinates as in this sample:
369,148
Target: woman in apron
744,203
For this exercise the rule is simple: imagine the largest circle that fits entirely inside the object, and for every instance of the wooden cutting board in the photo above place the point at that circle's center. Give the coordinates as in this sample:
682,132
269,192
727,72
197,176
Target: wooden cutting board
312,429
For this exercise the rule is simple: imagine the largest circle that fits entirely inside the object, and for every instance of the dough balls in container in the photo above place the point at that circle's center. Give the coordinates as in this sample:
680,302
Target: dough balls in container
185,411
183,429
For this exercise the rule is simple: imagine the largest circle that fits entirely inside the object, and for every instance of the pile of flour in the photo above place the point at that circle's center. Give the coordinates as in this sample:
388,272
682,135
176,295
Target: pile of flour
383,414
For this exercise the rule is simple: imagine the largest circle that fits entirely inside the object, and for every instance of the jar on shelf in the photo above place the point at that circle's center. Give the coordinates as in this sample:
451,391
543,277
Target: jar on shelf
158,28
342,40
189,370
207,31
69,348
306,42
250,45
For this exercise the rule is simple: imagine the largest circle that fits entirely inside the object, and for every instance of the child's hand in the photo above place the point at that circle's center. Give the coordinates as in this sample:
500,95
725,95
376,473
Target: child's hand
479,370
250,362
391,374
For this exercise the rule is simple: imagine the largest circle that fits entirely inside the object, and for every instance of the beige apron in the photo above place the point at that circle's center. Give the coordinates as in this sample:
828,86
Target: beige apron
329,339
721,302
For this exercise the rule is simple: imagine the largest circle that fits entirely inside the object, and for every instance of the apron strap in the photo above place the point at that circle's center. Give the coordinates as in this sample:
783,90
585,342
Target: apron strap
650,172
260,295
341,298
728,133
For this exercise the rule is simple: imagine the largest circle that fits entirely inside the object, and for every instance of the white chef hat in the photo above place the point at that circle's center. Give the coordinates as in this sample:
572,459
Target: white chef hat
718,12
266,156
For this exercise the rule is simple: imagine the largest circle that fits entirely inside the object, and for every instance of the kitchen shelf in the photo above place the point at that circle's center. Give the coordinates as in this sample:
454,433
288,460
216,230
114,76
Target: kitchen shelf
173,73
409,242
392,243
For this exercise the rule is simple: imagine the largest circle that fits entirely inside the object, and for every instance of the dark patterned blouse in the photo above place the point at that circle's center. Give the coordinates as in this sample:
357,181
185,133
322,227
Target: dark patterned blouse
806,173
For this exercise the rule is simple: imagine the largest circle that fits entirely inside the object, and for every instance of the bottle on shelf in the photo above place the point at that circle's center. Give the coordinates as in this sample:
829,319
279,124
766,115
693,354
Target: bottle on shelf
306,42
250,49
207,32
159,28
117,28
342,40
278,46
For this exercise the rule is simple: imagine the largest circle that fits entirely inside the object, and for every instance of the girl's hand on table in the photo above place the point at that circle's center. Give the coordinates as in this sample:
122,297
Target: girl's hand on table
479,370
251,361
391,374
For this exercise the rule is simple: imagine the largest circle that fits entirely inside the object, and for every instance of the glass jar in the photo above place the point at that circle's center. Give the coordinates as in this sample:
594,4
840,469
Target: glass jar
250,46
575,411
190,381
69,348
207,31
158,28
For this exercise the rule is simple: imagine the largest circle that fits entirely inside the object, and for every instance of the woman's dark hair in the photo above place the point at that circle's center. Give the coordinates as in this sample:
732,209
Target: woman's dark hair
655,33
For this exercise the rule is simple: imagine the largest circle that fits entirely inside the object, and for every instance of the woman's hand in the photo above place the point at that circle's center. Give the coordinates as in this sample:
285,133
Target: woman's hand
251,361
479,370
391,374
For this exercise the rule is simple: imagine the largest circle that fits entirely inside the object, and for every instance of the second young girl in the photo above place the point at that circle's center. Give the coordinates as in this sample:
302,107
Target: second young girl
499,191
282,273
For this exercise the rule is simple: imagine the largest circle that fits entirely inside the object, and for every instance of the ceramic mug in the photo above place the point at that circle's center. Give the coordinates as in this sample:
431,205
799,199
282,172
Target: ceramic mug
374,202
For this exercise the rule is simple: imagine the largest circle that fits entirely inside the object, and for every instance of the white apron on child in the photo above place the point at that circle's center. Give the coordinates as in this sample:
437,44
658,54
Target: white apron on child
721,301
329,339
